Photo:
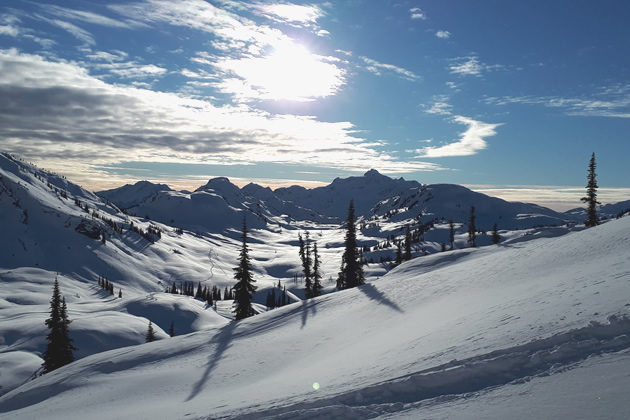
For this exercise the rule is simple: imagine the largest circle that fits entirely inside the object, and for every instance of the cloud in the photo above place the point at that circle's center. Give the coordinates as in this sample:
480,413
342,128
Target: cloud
443,34
291,13
440,106
88,17
610,101
57,112
468,66
252,61
72,29
416,13
378,68
471,66
559,198
471,141
9,30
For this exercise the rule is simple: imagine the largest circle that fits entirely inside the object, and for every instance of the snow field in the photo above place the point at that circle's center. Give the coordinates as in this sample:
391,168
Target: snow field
482,318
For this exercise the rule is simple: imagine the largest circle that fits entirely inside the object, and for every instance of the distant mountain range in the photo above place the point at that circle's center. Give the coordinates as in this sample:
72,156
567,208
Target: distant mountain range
218,204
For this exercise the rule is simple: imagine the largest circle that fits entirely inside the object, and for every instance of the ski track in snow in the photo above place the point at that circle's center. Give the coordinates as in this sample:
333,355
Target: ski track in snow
458,378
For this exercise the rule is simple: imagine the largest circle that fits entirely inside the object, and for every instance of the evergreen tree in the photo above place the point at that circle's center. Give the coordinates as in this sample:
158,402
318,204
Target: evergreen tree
407,255
351,273
317,275
150,333
399,253
472,229
244,286
305,256
591,195
495,234
451,233
59,350
171,330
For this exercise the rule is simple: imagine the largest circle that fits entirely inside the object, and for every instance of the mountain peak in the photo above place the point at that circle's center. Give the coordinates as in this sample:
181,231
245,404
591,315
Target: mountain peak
373,173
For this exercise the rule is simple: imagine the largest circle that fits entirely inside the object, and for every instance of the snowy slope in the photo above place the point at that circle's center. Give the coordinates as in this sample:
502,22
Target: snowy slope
425,340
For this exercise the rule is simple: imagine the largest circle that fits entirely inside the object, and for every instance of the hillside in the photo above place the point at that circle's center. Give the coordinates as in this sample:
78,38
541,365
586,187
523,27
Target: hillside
522,319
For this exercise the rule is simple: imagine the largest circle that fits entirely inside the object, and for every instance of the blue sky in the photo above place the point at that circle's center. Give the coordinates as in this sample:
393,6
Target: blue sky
508,97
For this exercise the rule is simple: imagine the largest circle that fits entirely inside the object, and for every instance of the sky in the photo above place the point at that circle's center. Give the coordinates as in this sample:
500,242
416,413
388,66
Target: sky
508,98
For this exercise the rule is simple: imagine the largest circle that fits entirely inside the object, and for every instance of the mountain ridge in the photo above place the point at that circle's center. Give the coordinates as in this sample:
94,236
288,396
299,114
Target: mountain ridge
373,195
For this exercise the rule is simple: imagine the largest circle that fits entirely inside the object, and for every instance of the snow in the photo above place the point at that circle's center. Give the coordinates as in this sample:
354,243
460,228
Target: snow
478,318
535,327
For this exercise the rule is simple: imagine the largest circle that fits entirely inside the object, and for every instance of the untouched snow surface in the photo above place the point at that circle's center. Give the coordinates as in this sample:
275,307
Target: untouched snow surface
534,329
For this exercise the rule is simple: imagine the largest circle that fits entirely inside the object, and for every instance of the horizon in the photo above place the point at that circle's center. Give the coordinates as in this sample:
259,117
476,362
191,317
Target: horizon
558,198
497,96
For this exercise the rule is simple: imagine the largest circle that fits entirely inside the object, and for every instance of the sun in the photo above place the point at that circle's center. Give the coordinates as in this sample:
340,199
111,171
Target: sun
290,72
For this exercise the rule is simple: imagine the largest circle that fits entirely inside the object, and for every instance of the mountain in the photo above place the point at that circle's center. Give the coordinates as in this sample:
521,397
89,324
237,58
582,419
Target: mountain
219,204
534,329
132,195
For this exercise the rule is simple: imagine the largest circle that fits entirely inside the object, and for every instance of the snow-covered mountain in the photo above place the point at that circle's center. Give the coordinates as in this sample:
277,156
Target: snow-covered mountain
527,317
375,196
132,195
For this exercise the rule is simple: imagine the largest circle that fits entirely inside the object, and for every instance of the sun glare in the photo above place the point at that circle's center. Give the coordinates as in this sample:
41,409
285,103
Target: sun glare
290,72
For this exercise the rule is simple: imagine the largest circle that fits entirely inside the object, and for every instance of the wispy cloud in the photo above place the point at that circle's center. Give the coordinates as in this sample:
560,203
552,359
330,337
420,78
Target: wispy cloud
378,69
88,17
57,111
611,101
252,61
416,13
291,13
471,66
467,66
440,106
79,33
9,25
443,34
470,141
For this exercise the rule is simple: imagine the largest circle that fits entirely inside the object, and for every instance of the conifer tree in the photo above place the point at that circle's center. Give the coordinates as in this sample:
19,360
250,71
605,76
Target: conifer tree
150,333
305,256
451,233
472,229
399,253
171,330
495,234
59,350
591,195
244,286
351,273
407,255
317,275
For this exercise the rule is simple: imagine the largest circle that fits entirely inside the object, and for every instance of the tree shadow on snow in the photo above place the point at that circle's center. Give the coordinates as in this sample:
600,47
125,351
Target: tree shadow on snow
374,294
224,339
307,305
